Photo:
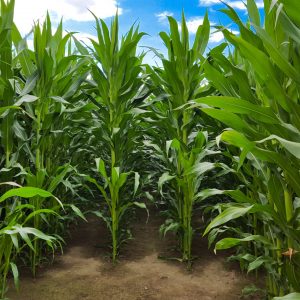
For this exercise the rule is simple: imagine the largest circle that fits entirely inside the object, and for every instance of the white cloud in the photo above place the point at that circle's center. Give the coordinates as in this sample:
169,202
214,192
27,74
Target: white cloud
237,4
28,11
208,2
233,3
217,36
163,15
193,24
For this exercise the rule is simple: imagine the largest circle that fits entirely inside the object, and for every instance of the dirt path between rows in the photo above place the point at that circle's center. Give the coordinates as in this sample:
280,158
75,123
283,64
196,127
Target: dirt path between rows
85,272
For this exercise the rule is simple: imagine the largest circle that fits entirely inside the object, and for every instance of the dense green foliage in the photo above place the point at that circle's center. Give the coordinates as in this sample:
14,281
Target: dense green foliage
260,103
93,129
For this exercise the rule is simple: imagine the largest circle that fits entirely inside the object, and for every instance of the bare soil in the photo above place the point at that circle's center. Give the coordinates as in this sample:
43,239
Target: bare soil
85,272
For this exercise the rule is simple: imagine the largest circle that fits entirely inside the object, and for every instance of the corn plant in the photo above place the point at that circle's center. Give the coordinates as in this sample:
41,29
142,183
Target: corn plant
259,84
47,85
117,89
52,75
176,134
15,234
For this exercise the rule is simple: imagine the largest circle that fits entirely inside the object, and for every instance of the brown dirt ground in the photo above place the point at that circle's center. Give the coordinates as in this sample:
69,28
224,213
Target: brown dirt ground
85,272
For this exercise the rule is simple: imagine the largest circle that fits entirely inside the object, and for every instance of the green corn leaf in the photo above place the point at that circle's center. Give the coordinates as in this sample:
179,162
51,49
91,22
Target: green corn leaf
237,139
227,243
59,178
228,118
254,265
292,147
239,106
15,240
122,179
237,195
29,85
277,56
100,188
201,168
292,9
253,12
6,108
25,192
15,272
38,212
101,167
227,215
78,212
202,36
165,177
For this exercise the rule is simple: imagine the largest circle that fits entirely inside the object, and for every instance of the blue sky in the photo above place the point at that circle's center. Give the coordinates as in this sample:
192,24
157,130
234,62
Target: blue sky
150,14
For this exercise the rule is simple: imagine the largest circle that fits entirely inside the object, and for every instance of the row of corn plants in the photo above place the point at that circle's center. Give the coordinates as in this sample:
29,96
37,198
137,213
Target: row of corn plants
39,98
258,98
50,87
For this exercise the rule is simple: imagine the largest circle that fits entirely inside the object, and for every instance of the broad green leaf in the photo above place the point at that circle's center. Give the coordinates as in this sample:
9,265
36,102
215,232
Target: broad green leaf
239,106
25,192
165,177
38,212
201,168
237,139
26,99
264,70
227,243
101,167
78,212
257,263
292,147
6,108
229,119
59,178
227,215
15,272
253,12
202,36
122,179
